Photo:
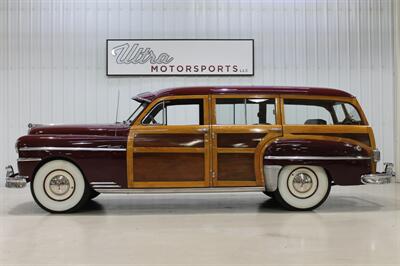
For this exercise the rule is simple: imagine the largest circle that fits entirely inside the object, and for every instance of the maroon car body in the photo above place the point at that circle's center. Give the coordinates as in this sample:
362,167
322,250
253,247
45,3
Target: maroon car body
107,154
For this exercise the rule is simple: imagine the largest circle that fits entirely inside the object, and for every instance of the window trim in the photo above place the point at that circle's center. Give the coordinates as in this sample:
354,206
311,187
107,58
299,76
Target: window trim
151,110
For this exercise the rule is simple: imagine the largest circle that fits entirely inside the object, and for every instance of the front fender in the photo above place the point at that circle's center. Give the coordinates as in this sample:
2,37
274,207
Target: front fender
100,158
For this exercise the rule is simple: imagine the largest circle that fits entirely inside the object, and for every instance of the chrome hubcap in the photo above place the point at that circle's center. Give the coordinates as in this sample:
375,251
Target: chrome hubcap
302,182
59,185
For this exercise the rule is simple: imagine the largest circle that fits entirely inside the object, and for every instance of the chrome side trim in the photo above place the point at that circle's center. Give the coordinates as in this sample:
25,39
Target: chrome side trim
103,183
69,149
29,159
317,158
271,173
105,186
181,190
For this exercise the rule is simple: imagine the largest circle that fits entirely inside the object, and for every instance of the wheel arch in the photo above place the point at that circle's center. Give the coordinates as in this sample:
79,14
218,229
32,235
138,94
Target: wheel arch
53,158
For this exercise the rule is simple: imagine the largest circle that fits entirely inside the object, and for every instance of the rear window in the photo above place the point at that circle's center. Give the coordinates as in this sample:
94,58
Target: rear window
320,112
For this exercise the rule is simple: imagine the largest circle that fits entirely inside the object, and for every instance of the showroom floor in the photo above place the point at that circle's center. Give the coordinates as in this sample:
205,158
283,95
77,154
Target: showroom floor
357,225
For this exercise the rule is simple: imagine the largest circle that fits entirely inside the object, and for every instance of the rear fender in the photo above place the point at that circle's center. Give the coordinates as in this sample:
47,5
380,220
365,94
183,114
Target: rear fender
344,160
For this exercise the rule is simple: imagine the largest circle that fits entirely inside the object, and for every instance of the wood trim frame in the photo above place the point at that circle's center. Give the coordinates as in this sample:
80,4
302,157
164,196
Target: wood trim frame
258,151
168,150
211,149
138,128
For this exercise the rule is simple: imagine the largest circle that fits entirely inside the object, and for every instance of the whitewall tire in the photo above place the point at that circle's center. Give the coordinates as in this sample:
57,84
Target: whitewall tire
302,187
59,186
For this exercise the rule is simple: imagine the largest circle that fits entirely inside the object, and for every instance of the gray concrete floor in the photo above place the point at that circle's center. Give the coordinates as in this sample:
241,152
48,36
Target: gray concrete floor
357,225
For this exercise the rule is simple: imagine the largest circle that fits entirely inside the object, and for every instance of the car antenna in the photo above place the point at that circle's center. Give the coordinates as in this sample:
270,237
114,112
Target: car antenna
116,115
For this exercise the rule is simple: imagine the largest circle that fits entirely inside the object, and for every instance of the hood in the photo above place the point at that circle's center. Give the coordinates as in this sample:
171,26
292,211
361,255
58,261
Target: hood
83,129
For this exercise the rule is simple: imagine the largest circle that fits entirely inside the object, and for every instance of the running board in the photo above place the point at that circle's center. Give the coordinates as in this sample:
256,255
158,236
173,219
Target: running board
180,190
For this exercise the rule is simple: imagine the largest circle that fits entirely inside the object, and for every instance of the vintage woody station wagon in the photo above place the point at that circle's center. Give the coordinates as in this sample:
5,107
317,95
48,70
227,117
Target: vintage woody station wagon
291,143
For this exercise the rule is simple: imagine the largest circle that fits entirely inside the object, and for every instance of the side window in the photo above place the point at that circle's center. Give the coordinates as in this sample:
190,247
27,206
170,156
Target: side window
339,110
347,114
352,114
320,112
230,112
237,111
306,112
176,112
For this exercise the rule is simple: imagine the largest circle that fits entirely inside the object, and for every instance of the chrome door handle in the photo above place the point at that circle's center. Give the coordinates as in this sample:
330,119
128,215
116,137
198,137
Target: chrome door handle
275,129
204,130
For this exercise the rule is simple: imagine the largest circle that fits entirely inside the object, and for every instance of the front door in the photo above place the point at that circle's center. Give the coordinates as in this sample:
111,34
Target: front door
169,144
242,126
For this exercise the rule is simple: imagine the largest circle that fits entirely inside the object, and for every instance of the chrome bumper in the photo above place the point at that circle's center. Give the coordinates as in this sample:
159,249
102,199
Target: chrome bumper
13,180
380,178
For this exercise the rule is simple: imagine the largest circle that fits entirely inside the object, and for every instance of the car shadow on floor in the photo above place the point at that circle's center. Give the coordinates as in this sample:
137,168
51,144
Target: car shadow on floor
213,204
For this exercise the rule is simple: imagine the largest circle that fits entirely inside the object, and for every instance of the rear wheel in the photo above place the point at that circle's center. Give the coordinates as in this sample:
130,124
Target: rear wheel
302,187
59,186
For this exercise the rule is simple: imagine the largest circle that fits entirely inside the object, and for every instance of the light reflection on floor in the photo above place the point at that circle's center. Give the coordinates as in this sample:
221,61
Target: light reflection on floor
357,225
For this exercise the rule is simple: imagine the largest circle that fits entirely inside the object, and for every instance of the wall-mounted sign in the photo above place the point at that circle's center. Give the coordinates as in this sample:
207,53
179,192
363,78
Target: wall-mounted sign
180,57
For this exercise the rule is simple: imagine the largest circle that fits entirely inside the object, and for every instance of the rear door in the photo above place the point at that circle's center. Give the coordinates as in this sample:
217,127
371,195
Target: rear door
242,126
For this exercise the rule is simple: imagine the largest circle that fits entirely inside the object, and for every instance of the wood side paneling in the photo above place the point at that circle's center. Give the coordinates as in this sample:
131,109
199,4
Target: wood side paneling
171,167
169,140
239,140
236,167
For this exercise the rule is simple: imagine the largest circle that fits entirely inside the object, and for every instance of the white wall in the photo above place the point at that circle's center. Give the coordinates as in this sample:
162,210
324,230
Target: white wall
52,54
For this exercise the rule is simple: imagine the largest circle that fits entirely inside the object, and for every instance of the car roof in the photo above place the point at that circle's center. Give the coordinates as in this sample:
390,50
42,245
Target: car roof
150,96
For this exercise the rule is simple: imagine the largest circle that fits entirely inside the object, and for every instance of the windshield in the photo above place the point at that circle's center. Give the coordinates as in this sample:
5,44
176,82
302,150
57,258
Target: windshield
135,113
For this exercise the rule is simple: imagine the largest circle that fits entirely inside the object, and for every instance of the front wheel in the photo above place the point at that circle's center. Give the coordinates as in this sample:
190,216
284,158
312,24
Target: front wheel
59,186
302,187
